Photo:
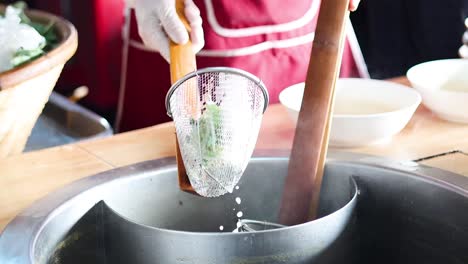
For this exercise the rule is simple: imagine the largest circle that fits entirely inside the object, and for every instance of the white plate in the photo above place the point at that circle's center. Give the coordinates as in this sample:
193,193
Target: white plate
443,85
366,111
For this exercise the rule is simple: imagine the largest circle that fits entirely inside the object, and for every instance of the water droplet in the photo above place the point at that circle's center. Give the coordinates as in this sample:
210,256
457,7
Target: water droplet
221,228
239,214
237,187
238,200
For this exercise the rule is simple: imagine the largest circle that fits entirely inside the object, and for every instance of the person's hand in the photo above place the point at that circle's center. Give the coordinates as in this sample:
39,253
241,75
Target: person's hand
463,51
158,22
353,5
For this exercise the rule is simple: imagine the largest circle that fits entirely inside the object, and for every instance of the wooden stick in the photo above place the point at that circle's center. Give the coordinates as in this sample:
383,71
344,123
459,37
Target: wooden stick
78,94
306,165
182,62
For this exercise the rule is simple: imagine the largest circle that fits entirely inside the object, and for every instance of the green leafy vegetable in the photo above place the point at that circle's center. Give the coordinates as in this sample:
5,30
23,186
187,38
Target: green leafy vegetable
47,31
20,5
210,132
23,56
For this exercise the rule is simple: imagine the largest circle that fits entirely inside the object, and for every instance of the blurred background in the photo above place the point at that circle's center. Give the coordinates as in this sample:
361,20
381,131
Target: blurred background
393,34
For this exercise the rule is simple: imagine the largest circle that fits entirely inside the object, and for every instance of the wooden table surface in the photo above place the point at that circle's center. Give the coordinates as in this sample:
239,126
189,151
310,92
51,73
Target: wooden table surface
27,177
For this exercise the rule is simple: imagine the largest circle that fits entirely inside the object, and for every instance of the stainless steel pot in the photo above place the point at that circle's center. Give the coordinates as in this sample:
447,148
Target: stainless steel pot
405,213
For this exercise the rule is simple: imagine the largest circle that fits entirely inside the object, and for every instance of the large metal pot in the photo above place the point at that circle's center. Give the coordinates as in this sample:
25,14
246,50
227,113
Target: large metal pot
405,213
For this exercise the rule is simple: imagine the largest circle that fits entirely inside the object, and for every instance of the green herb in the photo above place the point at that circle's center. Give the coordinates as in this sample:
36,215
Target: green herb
22,56
20,5
210,131
47,31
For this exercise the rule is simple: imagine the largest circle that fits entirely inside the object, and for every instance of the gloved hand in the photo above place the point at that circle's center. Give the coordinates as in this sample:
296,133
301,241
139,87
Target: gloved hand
463,51
158,21
353,5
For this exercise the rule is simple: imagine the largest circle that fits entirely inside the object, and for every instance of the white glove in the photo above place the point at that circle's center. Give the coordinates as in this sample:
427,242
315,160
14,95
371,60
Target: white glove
157,20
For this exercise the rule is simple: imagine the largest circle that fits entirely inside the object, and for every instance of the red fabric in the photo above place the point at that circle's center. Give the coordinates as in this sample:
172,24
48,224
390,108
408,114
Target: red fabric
96,63
148,74
239,13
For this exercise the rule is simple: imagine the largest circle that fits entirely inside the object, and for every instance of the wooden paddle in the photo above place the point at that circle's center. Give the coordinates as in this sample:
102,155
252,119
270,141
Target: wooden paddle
302,187
182,62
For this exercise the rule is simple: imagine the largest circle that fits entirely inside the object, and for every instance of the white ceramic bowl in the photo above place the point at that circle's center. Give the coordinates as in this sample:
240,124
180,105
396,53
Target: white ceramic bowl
366,111
443,85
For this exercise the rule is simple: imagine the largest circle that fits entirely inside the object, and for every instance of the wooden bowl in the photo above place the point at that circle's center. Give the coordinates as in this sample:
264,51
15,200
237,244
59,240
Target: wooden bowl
25,90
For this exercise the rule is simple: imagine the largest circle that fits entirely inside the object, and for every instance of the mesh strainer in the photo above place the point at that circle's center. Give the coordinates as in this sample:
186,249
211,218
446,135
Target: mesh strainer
217,114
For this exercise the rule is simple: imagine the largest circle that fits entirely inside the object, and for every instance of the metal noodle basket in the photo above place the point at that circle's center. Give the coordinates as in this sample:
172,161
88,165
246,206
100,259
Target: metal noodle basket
217,114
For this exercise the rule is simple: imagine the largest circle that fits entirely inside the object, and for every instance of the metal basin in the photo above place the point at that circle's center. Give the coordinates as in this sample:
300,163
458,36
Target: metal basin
404,213
63,122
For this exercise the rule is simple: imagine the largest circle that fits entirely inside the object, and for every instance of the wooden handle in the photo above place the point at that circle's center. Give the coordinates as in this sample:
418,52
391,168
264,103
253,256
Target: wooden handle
182,56
183,62
306,165
79,93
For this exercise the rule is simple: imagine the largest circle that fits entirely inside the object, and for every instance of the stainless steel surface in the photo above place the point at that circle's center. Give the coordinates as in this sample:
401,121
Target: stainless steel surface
248,225
142,206
63,122
229,70
405,213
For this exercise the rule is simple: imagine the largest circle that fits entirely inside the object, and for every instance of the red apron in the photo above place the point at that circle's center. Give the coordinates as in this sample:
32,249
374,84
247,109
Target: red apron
268,38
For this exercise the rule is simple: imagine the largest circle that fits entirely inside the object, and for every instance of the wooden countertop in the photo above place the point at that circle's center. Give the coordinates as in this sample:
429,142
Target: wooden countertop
27,177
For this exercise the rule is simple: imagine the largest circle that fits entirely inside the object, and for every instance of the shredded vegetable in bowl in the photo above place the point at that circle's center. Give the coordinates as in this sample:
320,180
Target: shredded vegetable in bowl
22,40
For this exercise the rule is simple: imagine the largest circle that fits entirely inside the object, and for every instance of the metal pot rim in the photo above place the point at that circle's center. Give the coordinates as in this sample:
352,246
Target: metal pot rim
31,221
348,206
231,70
